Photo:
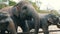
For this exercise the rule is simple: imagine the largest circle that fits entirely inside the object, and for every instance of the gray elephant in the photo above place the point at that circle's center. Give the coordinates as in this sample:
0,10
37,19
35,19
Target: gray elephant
21,12
45,21
6,23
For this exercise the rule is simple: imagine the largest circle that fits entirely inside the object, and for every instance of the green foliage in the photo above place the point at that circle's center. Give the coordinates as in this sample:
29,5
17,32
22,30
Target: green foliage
35,6
2,6
11,3
43,11
55,12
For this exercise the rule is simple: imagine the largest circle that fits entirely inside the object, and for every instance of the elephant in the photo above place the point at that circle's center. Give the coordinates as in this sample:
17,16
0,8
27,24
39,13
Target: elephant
6,23
21,12
45,21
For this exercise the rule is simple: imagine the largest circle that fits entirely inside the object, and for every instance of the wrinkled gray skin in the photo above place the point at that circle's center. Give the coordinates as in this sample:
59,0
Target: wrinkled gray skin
24,11
45,21
59,23
6,23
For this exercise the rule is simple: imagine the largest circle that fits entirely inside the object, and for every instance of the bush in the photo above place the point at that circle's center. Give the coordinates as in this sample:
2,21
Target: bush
2,5
11,3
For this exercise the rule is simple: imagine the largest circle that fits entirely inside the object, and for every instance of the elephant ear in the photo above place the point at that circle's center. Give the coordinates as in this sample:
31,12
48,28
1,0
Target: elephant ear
17,7
50,20
15,11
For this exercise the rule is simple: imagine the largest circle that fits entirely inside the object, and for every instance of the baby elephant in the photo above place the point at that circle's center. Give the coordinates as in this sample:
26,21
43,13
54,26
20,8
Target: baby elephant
6,23
45,21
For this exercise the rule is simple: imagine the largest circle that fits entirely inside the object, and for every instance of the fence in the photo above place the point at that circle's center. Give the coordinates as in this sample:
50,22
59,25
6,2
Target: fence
38,32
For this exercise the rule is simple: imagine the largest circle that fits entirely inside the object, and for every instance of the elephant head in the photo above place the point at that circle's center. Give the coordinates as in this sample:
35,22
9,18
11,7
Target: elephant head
54,20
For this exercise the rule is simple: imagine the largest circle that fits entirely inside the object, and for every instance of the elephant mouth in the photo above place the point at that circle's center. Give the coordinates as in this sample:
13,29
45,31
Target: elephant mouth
58,25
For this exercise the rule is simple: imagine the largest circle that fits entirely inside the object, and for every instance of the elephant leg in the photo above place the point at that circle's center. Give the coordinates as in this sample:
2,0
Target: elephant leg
16,27
11,27
2,31
8,32
45,29
27,27
24,28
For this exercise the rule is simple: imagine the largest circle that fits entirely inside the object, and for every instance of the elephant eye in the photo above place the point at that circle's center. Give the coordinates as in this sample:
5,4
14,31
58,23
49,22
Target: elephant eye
24,8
